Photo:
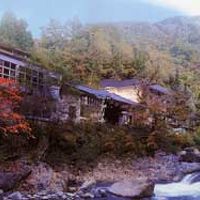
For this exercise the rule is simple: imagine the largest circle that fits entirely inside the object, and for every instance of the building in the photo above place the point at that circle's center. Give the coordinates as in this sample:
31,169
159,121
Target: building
36,83
81,103
113,103
130,88
44,99
15,64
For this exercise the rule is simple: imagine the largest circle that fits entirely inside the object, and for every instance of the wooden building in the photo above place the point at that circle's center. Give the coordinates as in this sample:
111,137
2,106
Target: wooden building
80,103
39,86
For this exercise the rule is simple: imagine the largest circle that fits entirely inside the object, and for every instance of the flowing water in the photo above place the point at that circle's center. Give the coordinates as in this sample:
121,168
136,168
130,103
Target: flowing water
187,189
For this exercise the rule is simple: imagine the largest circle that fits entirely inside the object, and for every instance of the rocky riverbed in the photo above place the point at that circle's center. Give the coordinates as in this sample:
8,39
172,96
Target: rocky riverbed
41,181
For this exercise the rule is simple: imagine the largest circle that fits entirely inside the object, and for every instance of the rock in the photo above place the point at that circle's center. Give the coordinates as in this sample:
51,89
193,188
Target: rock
182,153
60,194
100,192
87,195
138,188
45,197
8,180
190,149
87,184
72,189
44,177
15,196
190,155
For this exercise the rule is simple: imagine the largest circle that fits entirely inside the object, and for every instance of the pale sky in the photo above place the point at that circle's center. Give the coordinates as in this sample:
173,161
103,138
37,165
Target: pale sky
38,12
190,7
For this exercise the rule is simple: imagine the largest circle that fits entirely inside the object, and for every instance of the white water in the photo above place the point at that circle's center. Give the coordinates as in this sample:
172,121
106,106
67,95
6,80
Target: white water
186,187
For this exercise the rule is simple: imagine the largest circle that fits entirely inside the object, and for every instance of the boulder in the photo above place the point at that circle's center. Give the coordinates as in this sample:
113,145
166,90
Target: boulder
44,177
88,184
8,180
15,196
190,155
138,188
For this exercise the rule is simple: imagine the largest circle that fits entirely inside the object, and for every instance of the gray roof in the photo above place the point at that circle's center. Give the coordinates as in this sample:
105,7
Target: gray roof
131,82
102,94
118,83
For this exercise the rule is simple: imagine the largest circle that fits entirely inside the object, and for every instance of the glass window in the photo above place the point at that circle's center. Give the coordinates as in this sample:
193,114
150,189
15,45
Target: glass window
34,73
21,77
34,79
22,69
6,71
1,62
5,76
12,73
7,64
13,66
28,71
28,78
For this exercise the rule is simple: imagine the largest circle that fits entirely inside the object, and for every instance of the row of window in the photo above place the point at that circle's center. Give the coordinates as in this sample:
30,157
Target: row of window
7,69
86,100
28,76
25,75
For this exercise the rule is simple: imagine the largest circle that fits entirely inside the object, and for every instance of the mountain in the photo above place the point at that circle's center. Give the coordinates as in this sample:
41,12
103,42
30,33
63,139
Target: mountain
178,36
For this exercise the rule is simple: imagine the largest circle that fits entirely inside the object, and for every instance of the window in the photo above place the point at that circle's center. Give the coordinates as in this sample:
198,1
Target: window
41,78
34,79
6,71
72,112
13,66
7,64
6,76
21,77
1,62
12,73
28,79
22,69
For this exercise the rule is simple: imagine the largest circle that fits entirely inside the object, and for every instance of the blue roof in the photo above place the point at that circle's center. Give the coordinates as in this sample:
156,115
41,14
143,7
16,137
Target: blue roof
98,93
102,94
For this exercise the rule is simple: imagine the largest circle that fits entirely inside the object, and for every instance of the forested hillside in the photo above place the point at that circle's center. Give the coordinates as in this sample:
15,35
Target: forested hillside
164,51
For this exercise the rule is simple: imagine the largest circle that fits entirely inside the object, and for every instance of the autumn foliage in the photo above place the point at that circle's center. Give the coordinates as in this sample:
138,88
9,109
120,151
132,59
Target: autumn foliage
11,121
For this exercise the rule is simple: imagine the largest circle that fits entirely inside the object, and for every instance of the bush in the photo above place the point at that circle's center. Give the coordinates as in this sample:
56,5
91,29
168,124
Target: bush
85,143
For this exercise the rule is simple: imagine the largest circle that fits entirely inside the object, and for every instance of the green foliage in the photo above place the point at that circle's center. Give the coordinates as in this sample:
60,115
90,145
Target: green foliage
14,32
76,144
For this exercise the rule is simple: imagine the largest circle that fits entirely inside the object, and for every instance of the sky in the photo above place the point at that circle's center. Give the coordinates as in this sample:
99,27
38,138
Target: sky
38,12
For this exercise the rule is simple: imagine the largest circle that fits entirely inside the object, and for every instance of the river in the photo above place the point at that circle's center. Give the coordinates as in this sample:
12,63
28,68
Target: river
187,189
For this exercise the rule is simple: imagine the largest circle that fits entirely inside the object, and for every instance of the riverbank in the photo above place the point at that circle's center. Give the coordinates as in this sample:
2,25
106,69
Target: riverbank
45,180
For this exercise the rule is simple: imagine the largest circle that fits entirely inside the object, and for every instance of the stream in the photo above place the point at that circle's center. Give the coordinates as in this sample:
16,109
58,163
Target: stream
187,189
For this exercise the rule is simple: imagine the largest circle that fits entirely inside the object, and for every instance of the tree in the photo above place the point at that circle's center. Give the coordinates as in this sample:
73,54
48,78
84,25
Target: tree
162,111
13,32
11,121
